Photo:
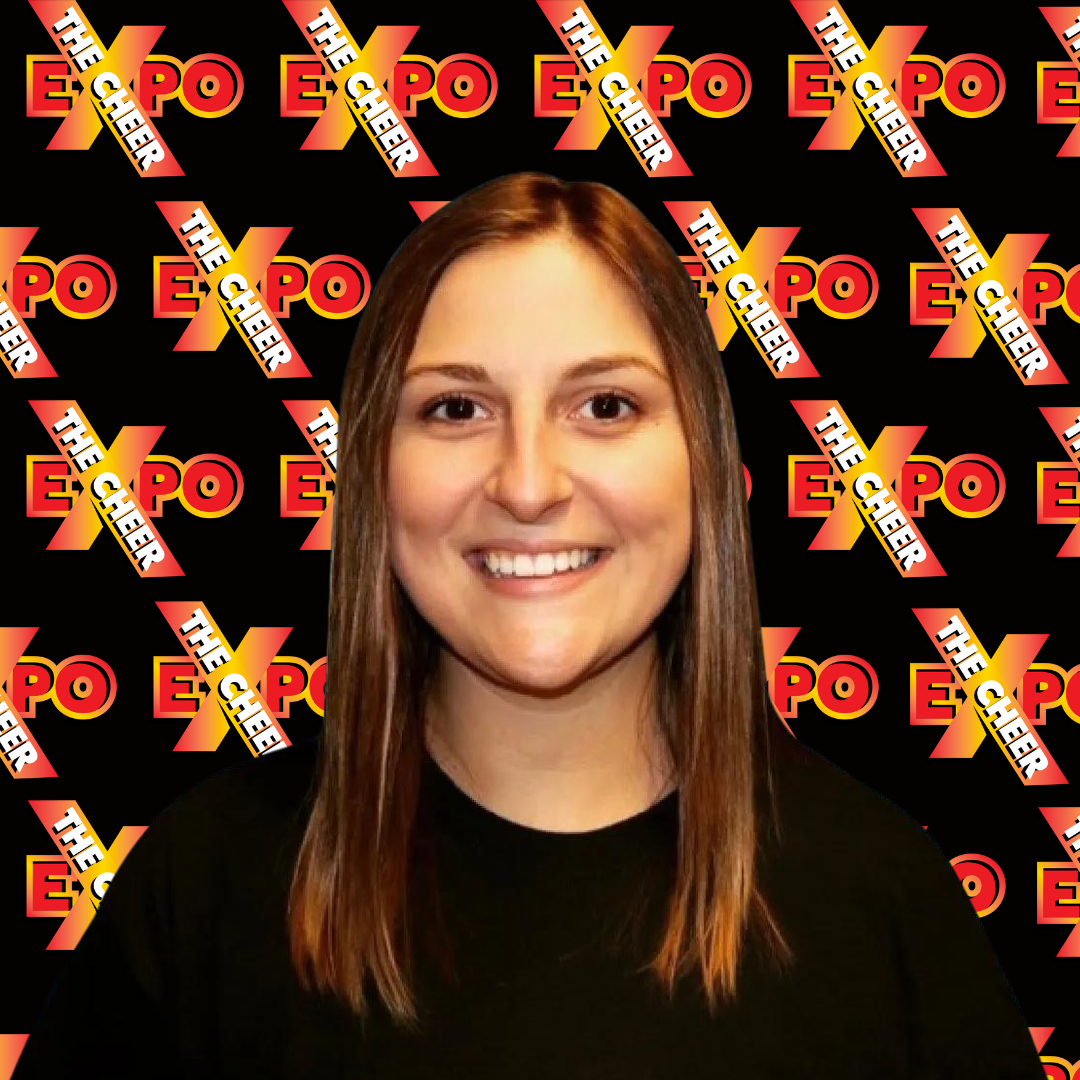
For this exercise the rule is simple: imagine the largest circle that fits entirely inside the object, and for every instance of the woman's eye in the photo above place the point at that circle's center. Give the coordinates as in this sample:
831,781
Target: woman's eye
455,405
456,408
609,408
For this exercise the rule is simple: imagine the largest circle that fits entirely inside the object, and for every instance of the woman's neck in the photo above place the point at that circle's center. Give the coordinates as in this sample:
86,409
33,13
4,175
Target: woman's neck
568,762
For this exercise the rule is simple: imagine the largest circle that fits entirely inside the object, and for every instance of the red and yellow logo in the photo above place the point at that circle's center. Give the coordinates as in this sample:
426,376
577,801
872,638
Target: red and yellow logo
231,675
359,74
334,286
986,707
208,85
87,864
1054,78
81,286
971,85
844,687
970,485
107,72
105,500
306,479
740,277
1059,882
287,680
716,85
871,499
988,284
1058,482
867,100
613,75
207,485
982,880
463,85
230,275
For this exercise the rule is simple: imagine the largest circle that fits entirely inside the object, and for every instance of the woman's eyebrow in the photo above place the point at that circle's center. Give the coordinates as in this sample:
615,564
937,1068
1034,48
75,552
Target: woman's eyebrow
594,365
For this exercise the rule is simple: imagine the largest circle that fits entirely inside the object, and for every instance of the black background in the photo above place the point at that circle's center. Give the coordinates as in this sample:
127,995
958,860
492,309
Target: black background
1002,570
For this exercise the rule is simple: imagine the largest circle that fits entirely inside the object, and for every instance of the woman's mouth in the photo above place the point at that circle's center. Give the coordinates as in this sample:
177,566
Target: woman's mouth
517,572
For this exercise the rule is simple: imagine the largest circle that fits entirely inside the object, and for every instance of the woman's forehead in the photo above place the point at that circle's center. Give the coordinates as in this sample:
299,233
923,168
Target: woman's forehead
546,294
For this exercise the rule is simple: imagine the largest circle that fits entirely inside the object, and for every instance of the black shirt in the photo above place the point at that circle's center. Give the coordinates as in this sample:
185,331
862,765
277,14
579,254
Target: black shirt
184,970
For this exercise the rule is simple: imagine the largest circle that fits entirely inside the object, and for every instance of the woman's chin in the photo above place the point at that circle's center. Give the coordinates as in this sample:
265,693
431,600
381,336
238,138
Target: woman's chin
539,670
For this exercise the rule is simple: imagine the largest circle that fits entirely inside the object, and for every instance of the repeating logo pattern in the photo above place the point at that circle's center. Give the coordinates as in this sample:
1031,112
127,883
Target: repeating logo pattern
758,142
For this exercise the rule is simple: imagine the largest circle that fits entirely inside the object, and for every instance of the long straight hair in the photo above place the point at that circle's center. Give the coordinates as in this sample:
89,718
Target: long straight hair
348,902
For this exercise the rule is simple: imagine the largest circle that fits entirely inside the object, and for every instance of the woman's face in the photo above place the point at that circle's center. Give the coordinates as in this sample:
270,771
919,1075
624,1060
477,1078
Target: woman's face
528,449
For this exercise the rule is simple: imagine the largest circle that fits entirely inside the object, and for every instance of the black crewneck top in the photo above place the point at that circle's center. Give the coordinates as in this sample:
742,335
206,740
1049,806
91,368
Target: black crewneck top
186,967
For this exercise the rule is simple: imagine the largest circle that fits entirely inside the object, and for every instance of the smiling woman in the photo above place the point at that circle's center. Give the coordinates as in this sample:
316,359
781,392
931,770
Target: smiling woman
553,826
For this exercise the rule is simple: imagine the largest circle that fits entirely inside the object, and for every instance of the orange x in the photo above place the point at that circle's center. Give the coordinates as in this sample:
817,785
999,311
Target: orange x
885,458
77,841
377,58
846,121
13,242
318,422
255,654
1015,253
760,259
13,643
210,324
1064,22
1065,420
80,527
968,728
633,55
123,58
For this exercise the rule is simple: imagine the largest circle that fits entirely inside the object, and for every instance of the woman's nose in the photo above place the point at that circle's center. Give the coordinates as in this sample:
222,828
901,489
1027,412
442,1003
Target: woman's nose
531,470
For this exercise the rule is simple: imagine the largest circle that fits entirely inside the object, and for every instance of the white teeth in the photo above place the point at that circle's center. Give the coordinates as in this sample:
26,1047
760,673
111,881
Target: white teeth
544,564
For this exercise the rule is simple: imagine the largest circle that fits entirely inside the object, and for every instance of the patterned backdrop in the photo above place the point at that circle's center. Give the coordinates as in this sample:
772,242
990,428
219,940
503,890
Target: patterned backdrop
877,205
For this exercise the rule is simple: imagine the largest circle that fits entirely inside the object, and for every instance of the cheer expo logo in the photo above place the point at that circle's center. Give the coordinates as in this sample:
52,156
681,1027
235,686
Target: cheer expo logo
105,500
463,85
844,687
81,687
121,87
986,707
1058,482
868,500
1053,78
867,99
287,679
206,485
73,886
969,86
935,691
845,286
334,286
747,306
969,485
307,479
1059,882
80,286
716,85
230,275
232,677
613,76
343,82
988,284
842,286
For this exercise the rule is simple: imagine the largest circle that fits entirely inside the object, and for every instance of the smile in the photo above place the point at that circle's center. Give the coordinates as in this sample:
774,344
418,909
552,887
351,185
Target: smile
515,572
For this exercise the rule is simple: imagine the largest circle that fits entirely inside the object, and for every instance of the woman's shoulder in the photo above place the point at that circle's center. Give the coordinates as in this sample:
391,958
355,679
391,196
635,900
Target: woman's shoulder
252,812
274,787
826,812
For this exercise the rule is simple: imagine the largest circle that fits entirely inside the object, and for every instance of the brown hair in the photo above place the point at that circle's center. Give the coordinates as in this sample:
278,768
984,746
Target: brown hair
347,906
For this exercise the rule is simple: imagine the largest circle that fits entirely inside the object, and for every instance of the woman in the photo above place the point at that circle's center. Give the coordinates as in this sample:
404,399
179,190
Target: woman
552,827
